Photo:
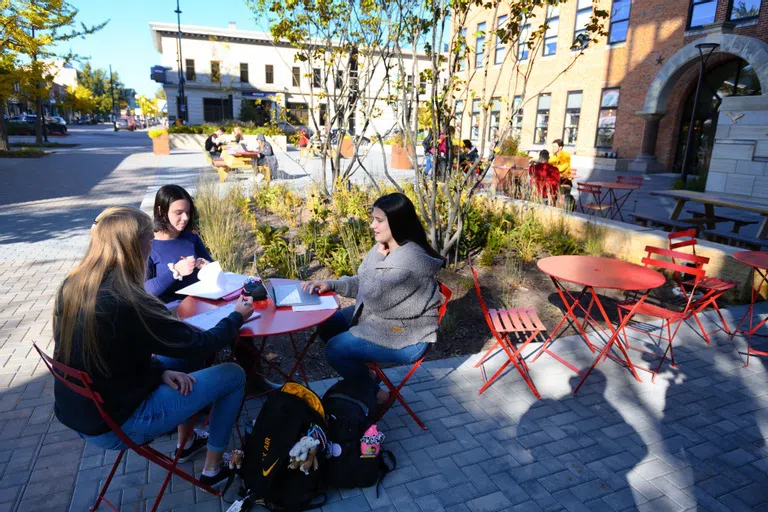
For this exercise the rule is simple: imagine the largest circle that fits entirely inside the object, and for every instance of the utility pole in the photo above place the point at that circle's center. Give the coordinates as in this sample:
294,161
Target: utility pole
181,107
112,93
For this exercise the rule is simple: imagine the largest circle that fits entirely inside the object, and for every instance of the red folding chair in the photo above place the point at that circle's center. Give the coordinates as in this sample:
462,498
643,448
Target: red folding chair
712,287
523,323
631,180
670,319
80,382
596,205
394,391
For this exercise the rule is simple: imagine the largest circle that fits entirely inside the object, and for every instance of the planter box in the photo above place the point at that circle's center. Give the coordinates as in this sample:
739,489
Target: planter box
187,141
400,158
161,145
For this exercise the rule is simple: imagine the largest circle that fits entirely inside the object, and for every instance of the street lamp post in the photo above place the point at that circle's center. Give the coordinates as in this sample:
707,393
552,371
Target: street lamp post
181,109
112,94
703,58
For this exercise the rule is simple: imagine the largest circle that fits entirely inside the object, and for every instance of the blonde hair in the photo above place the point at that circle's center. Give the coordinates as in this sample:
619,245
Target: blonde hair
115,248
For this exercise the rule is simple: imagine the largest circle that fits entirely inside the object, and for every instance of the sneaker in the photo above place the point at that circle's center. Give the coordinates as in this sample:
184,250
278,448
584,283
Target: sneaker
194,447
220,478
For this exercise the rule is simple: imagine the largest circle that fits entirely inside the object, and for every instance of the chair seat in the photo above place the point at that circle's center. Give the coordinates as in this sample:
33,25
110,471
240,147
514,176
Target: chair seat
516,320
595,206
651,310
714,283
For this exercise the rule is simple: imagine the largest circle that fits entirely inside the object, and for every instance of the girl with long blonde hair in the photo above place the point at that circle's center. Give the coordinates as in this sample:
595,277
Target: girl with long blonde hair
106,324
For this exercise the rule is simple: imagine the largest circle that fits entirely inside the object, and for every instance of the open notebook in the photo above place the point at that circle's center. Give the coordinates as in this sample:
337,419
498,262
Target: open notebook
209,319
214,283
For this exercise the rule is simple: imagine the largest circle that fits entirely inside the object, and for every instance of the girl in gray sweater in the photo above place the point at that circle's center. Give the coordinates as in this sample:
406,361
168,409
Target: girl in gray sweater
397,297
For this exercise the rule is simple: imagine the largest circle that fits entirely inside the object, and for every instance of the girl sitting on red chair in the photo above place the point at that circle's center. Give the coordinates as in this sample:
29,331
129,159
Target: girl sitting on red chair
397,297
106,324
545,177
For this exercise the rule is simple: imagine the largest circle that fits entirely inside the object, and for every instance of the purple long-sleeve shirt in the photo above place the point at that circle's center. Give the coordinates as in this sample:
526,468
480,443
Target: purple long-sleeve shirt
160,281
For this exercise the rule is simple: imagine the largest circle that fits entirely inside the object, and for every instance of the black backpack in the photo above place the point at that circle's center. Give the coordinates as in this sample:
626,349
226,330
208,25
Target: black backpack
285,417
350,410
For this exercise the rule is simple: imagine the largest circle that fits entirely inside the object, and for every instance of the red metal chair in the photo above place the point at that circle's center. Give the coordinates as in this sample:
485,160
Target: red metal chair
630,180
80,382
523,323
394,391
670,318
597,199
713,287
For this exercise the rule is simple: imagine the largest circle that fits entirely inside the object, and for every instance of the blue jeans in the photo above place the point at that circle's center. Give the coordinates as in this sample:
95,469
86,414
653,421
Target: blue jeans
349,355
222,385
428,164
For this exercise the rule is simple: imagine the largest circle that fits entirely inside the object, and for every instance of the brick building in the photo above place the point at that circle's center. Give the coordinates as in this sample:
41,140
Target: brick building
631,94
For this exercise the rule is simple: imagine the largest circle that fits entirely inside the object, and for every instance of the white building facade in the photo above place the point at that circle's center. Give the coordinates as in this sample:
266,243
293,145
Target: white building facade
225,68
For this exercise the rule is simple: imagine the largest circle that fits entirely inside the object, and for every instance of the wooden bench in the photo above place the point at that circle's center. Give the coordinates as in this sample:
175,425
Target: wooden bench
666,223
737,240
738,222
220,167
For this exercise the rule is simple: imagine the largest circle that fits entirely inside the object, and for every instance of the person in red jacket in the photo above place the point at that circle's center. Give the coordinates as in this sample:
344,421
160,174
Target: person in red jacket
545,178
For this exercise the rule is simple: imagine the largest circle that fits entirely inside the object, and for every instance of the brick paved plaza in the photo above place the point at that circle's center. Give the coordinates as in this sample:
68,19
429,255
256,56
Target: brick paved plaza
693,440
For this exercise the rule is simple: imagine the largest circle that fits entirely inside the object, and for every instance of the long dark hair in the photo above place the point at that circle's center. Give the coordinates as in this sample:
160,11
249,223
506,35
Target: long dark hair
404,223
163,200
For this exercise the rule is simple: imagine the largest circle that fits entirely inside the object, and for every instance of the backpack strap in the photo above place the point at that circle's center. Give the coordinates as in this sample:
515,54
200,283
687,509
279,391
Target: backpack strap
385,468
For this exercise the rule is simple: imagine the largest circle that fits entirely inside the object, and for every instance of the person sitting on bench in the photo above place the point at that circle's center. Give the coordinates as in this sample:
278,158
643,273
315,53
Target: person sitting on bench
212,144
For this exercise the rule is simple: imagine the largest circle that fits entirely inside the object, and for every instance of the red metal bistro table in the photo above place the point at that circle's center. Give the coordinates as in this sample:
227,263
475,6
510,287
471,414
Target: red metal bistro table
590,273
274,321
616,201
758,260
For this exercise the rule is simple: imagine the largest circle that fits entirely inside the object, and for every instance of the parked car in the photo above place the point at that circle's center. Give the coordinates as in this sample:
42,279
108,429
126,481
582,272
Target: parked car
84,120
55,127
125,123
98,120
23,118
291,129
57,119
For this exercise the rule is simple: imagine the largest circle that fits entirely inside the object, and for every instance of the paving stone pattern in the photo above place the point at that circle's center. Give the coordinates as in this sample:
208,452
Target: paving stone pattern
693,440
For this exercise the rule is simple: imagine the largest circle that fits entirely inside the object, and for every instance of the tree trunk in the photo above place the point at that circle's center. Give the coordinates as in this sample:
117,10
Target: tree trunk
39,120
3,135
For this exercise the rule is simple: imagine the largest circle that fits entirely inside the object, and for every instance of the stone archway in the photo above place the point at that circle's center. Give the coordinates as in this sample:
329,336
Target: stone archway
753,51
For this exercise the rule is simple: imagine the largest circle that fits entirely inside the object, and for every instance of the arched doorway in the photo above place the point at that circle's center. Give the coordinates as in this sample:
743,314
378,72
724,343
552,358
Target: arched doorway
732,78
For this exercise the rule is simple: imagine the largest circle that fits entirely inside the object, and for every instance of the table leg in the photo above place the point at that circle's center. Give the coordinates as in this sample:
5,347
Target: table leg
611,341
568,314
709,213
620,204
750,313
678,209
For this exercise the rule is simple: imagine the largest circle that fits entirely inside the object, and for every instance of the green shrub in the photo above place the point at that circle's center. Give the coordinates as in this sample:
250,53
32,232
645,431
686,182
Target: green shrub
558,240
219,226
229,126
527,237
594,240
23,153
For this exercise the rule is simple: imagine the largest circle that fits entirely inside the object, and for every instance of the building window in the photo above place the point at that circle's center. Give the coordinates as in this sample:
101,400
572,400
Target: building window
316,78
572,114
606,121
243,72
744,9
474,132
269,73
619,21
463,60
542,119
517,119
216,110
553,23
339,79
583,17
190,65
498,56
522,44
495,120
296,72
702,12
409,83
458,113
215,71
479,44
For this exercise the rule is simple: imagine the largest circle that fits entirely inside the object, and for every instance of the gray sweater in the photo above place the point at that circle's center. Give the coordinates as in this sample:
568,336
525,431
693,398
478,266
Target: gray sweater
397,297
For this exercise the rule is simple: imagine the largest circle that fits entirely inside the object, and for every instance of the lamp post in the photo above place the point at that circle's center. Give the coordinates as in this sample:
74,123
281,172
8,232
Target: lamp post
703,58
112,94
181,108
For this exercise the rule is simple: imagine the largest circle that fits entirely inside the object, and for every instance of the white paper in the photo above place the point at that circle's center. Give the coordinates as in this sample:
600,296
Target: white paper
209,319
214,283
326,302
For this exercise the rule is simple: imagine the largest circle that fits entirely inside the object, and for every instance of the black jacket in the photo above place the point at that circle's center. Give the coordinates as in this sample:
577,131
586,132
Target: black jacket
211,145
128,347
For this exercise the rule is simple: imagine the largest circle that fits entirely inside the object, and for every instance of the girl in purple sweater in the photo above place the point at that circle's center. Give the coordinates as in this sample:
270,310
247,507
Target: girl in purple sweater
177,252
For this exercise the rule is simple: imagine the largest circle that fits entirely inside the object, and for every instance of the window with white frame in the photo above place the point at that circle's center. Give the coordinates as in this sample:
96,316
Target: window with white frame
522,44
606,120
553,24
583,17
463,61
619,21
572,115
500,51
495,119
479,45
474,133
542,119
517,115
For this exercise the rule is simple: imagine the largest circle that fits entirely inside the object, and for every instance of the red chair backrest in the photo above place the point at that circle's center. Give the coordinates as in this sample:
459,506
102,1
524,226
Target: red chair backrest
696,271
590,189
446,293
680,239
632,180
76,380
483,305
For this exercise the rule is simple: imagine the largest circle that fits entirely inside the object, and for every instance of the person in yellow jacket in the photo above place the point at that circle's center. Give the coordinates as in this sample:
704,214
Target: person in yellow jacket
562,160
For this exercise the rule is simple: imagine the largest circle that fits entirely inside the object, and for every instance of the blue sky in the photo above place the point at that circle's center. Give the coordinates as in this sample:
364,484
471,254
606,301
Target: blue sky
126,41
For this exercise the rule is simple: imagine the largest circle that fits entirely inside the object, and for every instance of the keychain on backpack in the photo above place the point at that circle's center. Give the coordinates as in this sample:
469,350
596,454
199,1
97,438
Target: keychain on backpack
370,444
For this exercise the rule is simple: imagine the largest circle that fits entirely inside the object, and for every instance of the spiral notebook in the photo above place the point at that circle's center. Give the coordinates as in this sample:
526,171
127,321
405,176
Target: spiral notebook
209,319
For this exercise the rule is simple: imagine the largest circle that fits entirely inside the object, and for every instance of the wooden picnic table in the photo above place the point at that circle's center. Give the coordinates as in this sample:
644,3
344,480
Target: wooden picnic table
709,201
